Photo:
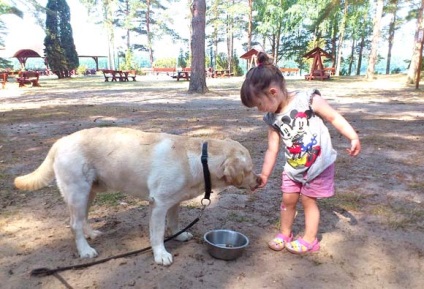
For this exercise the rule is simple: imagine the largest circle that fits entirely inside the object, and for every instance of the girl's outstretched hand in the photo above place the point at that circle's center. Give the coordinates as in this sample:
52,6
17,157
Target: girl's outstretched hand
264,180
355,147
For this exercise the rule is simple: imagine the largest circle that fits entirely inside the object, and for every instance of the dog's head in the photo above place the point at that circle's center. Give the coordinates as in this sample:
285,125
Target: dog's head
237,168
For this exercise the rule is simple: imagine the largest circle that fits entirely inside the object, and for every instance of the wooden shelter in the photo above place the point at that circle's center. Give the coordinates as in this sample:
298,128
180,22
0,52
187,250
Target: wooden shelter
23,55
252,57
317,71
95,58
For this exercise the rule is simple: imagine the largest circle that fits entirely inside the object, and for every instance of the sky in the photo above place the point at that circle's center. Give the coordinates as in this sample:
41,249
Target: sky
90,39
25,33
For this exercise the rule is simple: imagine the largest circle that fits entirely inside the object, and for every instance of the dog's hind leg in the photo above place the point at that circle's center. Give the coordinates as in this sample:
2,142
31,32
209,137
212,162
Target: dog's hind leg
75,188
173,224
88,231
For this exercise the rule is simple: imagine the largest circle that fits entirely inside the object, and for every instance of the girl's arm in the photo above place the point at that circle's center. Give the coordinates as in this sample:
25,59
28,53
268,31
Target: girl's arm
323,109
270,156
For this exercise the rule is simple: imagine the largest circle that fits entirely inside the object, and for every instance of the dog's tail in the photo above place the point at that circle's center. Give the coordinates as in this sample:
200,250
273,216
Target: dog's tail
39,178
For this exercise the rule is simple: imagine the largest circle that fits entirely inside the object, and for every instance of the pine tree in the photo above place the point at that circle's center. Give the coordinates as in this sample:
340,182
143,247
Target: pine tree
198,22
60,51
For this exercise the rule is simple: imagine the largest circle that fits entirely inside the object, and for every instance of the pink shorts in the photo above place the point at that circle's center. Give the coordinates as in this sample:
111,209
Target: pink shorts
320,187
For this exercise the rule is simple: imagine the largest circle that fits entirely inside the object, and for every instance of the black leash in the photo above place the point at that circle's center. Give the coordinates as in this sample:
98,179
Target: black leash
40,272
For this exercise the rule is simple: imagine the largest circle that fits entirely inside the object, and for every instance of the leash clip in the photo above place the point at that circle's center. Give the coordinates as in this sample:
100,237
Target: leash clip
205,202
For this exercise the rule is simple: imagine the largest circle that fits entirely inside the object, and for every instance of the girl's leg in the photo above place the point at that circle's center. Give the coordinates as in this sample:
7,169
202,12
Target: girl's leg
312,216
288,212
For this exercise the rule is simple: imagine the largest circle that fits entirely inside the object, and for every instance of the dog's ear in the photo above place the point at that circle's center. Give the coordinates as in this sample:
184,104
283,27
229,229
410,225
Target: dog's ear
232,172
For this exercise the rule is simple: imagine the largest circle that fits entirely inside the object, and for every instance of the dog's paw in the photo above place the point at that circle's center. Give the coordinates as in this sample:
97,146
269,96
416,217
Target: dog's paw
88,253
164,259
185,236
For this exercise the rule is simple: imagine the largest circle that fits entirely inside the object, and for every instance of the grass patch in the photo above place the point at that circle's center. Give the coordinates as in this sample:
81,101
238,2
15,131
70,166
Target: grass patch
400,215
234,217
416,186
109,199
346,201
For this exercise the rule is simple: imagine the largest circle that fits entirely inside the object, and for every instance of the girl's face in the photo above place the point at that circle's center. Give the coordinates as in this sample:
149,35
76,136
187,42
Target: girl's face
269,102
265,103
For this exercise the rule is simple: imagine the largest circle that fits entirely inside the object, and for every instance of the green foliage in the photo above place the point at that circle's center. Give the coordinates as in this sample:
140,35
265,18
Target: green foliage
59,44
396,70
128,62
81,69
183,59
221,61
222,64
168,62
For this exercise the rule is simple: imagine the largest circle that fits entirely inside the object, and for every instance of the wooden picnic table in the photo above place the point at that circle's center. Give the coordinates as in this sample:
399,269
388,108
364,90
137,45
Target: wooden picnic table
28,77
223,73
115,75
183,74
3,79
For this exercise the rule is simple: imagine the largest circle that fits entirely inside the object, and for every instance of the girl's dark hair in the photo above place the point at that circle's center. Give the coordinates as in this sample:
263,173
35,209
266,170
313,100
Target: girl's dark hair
259,78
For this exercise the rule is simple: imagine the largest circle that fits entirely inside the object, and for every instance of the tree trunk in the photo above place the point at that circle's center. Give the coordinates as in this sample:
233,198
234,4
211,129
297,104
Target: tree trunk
107,20
360,53
372,61
352,55
277,45
249,26
334,42
273,41
149,36
415,59
229,41
342,31
127,12
198,72
392,27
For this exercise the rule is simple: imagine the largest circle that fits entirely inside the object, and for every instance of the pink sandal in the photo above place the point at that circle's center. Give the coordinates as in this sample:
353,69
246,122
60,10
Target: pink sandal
279,241
300,246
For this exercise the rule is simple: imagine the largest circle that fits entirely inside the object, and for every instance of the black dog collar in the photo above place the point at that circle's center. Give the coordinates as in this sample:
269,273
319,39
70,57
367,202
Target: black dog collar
206,173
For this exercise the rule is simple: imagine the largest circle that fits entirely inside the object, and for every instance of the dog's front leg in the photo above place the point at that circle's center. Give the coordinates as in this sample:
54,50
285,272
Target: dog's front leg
157,233
173,224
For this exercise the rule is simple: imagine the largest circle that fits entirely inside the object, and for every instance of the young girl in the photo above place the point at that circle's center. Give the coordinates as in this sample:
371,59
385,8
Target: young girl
296,119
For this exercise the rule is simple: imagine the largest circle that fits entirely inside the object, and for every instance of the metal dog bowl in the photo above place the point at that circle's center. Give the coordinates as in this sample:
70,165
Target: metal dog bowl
225,244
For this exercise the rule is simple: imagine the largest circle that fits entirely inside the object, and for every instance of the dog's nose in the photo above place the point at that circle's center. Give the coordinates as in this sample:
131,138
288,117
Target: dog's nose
258,182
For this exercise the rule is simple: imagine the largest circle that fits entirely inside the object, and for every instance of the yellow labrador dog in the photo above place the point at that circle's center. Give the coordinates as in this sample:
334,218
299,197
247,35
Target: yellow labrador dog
162,168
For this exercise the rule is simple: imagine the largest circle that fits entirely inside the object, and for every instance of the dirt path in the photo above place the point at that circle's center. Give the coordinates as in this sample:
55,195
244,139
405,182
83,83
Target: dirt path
371,233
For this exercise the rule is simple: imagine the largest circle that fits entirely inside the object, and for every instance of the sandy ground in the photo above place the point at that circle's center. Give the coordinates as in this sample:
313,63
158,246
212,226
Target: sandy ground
371,233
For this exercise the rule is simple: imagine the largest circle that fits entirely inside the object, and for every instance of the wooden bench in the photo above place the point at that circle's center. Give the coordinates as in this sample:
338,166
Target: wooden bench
289,71
317,74
114,75
28,77
185,73
223,73
130,74
330,70
3,79
166,70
